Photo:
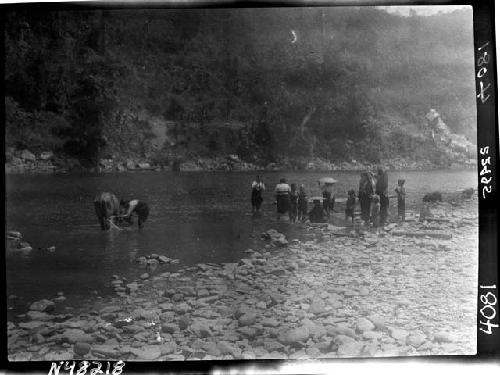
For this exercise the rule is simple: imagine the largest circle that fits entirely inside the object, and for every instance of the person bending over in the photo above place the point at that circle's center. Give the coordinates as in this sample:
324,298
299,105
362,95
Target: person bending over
137,207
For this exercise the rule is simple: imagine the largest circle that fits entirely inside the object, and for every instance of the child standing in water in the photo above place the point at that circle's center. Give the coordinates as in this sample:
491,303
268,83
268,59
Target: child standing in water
258,188
302,204
351,203
375,212
294,197
401,193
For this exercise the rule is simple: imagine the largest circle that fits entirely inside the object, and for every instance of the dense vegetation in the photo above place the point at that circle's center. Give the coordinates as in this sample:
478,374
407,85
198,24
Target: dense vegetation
266,84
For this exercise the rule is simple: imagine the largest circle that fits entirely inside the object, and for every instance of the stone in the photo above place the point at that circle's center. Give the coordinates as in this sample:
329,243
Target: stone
350,349
247,319
317,306
31,325
147,352
81,348
145,276
201,329
168,348
364,325
416,339
37,315
378,322
398,334
270,322
74,335
442,337
372,335
43,305
184,323
169,327
227,348
295,335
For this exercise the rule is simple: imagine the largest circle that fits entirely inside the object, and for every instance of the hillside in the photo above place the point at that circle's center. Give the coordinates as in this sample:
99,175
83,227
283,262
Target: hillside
283,86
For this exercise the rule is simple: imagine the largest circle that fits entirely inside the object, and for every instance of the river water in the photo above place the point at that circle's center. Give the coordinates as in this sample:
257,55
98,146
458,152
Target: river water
194,217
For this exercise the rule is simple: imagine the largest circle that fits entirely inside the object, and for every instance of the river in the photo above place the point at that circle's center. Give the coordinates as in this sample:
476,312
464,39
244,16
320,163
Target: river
194,217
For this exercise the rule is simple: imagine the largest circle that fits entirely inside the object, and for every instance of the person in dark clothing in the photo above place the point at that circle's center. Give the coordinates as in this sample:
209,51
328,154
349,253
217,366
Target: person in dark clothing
327,202
375,213
381,189
302,204
282,194
140,208
317,214
257,188
350,205
294,197
401,193
366,190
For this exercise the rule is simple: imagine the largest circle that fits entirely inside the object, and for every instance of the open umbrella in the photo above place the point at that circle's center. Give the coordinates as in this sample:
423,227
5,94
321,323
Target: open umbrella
327,181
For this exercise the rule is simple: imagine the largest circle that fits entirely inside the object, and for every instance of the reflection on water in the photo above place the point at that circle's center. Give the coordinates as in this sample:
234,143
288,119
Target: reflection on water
195,217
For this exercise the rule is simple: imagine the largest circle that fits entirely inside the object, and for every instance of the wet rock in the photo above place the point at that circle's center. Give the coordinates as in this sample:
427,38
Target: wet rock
30,325
43,305
37,315
81,348
14,234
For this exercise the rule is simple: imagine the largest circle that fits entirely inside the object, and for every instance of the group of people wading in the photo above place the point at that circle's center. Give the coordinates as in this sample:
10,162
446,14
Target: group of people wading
373,196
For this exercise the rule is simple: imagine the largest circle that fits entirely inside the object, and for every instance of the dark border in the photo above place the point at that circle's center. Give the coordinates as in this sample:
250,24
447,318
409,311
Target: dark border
487,135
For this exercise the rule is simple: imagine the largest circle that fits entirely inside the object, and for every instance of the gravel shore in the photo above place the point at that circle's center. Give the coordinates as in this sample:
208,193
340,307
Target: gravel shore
397,293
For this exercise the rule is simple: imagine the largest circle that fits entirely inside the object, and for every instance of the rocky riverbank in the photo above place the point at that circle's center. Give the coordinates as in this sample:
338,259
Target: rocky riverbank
19,162
408,291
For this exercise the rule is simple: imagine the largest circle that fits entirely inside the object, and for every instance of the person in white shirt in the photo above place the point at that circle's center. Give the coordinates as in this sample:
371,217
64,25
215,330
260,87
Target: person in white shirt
282,194
257,188
136,206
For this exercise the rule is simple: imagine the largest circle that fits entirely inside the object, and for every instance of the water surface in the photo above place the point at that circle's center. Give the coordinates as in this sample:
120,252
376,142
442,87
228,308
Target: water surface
194,217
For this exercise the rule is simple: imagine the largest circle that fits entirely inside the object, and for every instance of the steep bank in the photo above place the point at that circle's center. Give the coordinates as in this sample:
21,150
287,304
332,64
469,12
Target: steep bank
353,84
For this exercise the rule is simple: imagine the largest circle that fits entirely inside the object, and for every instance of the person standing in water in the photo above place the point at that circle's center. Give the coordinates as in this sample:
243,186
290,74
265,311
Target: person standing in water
258,188
366,190
401,194
381,189
294,197
350,205
140,208
302,204
282,194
